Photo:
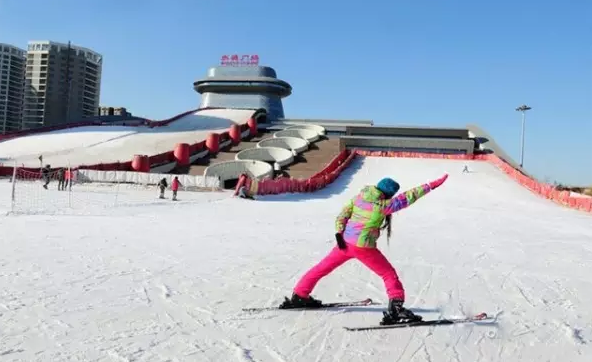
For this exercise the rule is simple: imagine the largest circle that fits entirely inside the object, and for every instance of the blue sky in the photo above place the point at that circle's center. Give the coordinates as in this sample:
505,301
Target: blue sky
429,63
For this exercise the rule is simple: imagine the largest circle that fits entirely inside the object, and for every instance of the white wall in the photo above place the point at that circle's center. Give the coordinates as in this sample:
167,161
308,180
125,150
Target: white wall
144,178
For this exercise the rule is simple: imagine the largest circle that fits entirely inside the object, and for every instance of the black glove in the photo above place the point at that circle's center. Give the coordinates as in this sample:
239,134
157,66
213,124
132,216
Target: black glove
340,242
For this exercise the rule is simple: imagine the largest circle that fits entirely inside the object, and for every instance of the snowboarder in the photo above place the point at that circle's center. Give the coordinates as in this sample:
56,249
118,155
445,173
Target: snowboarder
162,185
175,186
358,228
45,175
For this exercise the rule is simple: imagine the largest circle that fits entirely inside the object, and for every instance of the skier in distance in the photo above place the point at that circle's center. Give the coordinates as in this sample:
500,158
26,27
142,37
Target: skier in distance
357,229
162,185
46,175
175,187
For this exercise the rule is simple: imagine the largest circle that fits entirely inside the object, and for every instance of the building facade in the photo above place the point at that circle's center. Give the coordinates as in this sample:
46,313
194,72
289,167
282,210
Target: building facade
12,85
254,88
62,84
114,111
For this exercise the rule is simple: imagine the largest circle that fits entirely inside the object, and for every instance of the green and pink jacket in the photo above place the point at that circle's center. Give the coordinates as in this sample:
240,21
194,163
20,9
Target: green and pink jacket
361,218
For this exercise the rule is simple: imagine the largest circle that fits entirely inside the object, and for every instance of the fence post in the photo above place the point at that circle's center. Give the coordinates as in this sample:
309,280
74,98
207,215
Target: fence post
13,191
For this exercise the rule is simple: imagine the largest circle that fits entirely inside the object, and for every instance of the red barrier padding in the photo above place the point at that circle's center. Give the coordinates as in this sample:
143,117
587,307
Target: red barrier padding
5,171
200,146
213,142
235,134
544,190
114,166
252,123
193,149
141,163
224,136
197,148
332,165
158,159
170,156
417,155
182,154
314,183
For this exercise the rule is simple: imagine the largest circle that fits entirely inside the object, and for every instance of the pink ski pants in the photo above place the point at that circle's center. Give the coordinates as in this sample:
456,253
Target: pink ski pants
370,257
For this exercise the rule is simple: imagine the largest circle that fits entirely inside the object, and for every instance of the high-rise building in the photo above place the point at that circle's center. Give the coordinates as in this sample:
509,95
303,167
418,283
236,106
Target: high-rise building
12,85
63,84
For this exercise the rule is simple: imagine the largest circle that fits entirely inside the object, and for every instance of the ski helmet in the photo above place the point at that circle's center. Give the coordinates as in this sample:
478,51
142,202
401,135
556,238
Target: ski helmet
388,187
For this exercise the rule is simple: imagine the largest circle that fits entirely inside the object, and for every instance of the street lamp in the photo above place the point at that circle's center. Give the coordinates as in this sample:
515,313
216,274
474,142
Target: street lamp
523,108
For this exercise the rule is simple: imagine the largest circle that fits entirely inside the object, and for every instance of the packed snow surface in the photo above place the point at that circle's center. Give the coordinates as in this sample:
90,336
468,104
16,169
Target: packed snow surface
123,276
107,144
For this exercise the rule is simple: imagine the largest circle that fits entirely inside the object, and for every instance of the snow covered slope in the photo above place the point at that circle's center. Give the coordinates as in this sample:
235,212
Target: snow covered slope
106,144
162,281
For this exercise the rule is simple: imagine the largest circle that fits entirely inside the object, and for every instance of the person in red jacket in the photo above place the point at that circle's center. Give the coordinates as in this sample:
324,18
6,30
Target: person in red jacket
175,186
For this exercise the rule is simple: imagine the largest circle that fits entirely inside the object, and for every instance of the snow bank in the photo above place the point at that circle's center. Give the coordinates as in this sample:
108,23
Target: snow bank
107,144
62,141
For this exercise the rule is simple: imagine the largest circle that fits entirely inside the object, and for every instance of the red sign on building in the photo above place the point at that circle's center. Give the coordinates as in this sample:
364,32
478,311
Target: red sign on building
239,61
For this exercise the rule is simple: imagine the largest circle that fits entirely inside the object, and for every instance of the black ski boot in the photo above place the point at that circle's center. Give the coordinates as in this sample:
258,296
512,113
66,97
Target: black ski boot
398,314
298,302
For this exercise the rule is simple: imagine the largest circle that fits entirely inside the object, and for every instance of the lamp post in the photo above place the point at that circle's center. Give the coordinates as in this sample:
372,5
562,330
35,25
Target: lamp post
523,108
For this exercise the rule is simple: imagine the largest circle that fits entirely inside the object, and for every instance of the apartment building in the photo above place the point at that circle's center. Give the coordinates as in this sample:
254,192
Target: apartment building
63,84
12,85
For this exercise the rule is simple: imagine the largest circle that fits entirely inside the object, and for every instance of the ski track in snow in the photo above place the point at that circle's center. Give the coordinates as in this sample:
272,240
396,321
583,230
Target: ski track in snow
150,280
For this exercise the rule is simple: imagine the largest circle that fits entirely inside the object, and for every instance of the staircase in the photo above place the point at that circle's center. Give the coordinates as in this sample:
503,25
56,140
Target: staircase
305,164
312,161
225,154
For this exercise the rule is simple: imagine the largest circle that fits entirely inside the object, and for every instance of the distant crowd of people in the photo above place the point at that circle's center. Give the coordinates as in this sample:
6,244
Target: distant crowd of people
64,177
163,184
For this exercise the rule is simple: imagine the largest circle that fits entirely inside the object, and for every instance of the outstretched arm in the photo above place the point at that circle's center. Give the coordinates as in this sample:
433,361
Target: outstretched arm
344,216
410,196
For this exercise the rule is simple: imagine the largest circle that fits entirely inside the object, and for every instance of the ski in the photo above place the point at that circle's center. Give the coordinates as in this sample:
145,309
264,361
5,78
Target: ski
359,303
432,322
